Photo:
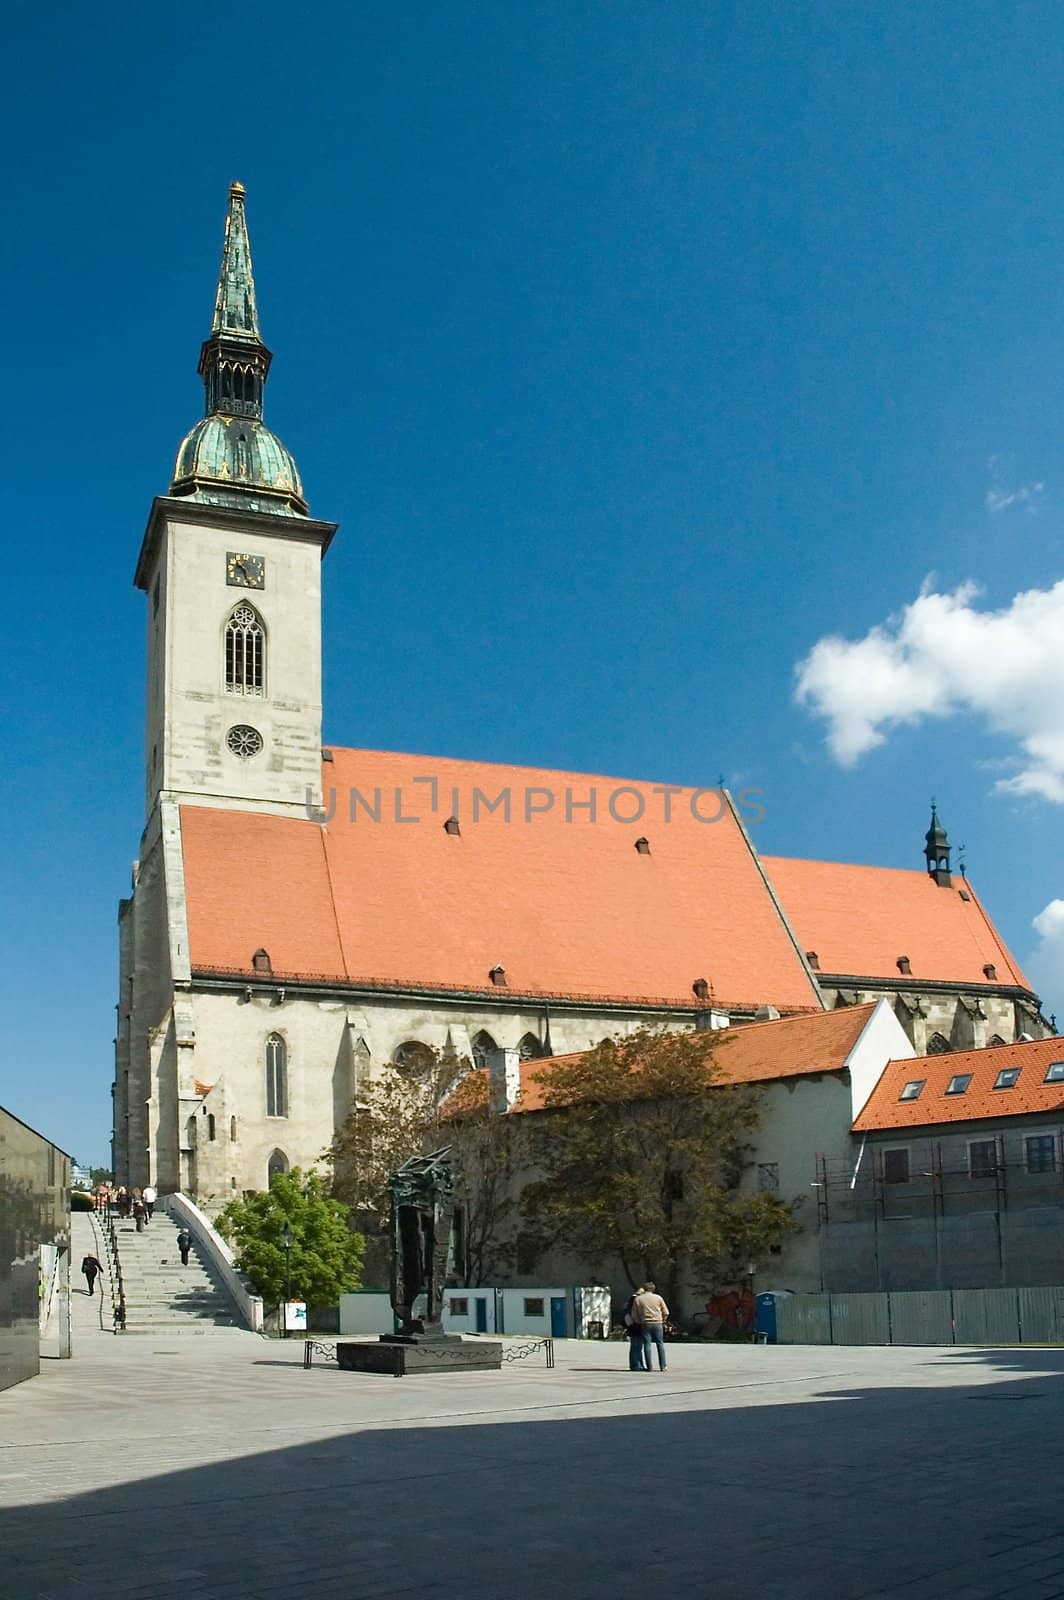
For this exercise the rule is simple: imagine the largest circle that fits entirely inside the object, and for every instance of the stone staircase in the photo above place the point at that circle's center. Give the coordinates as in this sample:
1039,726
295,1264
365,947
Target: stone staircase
161,1294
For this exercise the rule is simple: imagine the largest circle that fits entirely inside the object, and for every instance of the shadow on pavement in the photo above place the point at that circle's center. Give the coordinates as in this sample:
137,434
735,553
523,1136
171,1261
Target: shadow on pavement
854,1492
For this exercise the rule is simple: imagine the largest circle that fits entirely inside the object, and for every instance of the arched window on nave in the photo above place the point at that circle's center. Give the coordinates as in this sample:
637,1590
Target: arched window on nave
483,1044
276,1077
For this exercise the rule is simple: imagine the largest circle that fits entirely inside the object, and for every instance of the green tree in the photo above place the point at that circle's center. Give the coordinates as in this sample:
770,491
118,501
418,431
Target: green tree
326,1256
434,1099
639,1153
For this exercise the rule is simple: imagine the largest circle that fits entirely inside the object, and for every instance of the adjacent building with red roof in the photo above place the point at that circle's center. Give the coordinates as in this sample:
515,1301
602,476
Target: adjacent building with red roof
303,915
956,1177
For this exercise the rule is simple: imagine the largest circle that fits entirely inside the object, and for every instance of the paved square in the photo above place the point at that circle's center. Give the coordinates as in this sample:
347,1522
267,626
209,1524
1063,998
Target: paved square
212,1467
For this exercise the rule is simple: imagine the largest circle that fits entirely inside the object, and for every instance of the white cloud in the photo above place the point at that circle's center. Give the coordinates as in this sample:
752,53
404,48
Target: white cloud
942,656
1045,964
1027,495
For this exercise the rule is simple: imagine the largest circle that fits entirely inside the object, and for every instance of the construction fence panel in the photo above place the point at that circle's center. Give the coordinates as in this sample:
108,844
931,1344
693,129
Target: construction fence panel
921,1316
1041,1316
924,1317
803,1319
985,1316
860,1319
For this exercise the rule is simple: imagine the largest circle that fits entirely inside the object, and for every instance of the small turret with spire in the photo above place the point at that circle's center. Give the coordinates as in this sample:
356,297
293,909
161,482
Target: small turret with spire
937,851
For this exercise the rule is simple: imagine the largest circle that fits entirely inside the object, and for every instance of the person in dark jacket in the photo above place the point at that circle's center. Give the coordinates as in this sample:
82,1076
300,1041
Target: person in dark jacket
184,1244
637,1356
91,1267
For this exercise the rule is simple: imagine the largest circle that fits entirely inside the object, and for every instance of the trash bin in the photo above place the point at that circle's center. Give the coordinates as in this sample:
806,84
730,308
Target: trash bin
596,1330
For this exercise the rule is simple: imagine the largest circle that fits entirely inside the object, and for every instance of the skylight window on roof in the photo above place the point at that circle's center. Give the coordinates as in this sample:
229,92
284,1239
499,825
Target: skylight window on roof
1055,1072
1007,1078
958,1084
912,1089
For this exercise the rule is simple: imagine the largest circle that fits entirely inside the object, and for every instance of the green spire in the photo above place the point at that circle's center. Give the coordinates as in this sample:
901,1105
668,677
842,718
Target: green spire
231,458
235,311
234,361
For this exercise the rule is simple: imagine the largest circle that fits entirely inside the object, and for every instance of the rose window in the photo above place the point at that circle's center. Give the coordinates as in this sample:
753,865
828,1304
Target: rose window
244,741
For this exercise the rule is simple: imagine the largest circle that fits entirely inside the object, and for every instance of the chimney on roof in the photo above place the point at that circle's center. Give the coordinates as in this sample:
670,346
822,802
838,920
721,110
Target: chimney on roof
700,988
260,961
904,965
451,826
504,1078
990,972
813,960
498,977
643,846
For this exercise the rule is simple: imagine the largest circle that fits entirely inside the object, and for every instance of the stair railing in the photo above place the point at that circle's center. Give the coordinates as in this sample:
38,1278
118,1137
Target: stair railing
118,1292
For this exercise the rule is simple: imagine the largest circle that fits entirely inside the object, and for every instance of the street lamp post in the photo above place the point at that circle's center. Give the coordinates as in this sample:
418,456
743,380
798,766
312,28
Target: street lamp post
286,1245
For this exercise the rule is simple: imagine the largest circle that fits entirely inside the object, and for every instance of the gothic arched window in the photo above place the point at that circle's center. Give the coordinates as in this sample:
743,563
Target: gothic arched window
529,1048
232,1129
245,651
276,1077
277,1165
938,1046
483,1044
413,1058
210,1126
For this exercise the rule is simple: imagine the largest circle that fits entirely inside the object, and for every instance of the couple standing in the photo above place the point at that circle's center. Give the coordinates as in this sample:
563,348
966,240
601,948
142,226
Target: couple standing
644,1321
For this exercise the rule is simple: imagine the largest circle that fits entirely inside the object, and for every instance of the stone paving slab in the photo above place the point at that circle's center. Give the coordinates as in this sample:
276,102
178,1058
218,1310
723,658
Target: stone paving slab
217,1469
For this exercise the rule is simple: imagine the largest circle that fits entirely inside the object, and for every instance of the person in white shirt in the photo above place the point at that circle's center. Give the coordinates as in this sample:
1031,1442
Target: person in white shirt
148,1196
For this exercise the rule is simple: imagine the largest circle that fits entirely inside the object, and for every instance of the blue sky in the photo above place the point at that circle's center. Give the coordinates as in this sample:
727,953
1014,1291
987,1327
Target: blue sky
638,350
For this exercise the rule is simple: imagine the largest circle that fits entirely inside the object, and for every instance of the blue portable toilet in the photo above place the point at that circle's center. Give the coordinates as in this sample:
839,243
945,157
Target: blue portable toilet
766,1317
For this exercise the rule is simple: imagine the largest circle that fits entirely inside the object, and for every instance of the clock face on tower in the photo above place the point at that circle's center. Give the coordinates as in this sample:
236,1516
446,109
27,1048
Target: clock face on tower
245,572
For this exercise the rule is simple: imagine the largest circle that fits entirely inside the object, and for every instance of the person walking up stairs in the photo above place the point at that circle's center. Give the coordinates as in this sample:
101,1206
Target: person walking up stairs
162,1292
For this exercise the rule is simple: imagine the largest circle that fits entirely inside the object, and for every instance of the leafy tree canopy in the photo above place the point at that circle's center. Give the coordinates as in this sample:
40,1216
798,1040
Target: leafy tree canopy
639,1152
326,1256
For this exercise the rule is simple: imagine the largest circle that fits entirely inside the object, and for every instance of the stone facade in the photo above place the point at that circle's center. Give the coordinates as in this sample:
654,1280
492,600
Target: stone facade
186,571
949,1017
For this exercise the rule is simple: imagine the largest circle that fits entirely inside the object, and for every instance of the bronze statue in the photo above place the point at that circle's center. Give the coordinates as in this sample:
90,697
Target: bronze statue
422,1206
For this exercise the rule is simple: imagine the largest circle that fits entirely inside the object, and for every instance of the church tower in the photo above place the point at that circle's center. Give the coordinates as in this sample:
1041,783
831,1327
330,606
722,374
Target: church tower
231,566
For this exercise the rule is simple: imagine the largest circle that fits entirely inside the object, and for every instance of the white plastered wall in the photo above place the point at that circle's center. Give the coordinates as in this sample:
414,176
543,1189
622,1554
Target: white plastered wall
189,710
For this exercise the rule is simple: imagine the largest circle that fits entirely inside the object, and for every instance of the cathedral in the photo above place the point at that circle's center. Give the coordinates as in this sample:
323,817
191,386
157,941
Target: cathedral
304,915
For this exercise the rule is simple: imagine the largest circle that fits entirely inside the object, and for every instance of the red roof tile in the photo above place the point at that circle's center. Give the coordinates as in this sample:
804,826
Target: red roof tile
934,1106
756,1052
859,920
566,906
254,881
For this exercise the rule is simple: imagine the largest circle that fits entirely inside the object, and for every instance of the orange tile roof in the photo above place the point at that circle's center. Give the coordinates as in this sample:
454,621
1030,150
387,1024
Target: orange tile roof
254,881
981,1099
859,920
568,907
755,1052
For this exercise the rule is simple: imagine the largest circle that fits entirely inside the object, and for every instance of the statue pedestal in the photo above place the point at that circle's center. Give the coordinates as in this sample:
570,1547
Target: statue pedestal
397,1355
